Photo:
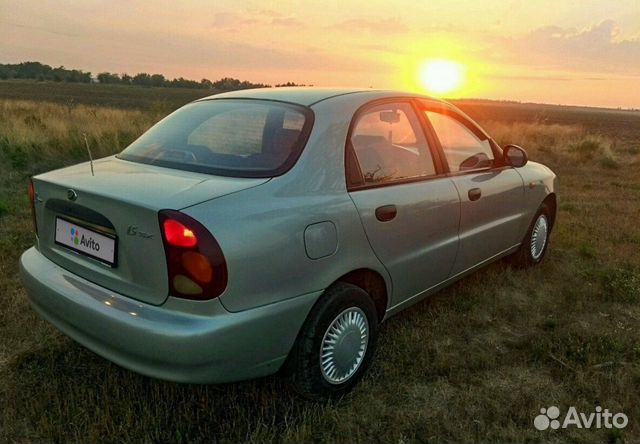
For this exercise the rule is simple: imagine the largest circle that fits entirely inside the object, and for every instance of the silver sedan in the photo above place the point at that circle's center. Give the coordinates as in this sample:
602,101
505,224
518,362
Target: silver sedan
273,230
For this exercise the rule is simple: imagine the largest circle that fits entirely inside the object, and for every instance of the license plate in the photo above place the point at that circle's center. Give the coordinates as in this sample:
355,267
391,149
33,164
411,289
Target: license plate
86,241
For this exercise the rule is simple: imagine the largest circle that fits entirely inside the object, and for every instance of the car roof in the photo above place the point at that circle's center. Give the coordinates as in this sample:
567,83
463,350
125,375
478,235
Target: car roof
307,95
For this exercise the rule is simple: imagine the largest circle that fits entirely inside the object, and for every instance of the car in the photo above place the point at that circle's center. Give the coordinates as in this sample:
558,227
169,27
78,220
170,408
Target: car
272,230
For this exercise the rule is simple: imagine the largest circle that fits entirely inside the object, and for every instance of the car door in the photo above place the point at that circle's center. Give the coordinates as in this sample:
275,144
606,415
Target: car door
491,194
409,208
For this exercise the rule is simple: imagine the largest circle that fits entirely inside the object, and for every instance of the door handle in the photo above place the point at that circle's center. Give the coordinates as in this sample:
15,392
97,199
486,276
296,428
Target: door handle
386,213
475,193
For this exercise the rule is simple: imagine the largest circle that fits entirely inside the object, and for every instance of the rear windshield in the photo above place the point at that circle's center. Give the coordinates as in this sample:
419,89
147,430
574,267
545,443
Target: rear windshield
228,137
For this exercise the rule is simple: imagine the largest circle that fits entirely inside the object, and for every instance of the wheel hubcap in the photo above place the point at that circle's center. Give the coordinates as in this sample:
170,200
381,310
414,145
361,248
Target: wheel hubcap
344,345
539,237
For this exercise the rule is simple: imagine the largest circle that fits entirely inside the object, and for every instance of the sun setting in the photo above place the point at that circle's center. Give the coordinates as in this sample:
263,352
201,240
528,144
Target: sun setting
440,77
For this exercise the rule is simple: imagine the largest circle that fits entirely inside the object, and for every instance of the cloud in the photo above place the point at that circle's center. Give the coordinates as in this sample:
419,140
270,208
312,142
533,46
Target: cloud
391,25
286,21
598,48
37,28
529,78
231,20
378,48
221,56
253,17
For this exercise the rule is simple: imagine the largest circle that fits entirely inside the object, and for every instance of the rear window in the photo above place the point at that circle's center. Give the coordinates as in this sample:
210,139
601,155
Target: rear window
241,138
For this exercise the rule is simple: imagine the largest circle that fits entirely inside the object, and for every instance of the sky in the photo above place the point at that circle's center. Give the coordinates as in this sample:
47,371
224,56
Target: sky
566,52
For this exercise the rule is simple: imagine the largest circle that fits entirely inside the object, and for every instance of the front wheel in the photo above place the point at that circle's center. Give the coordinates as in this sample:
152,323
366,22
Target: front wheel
336,343
534,246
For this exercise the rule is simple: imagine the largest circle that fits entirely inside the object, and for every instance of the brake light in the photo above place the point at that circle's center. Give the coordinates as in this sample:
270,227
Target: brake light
179,235
195,264
32,203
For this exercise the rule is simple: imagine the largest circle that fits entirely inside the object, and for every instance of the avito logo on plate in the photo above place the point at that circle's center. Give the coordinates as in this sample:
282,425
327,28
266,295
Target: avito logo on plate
78,239
74,236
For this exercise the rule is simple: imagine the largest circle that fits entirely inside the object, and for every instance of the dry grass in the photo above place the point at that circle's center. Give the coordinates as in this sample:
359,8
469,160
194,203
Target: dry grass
474,363
557,142
35,135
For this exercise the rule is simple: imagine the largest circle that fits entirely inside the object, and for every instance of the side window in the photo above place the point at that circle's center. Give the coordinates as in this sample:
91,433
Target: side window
389,145
463,149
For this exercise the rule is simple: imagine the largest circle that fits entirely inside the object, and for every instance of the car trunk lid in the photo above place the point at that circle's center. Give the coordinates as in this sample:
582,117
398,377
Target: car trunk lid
120,202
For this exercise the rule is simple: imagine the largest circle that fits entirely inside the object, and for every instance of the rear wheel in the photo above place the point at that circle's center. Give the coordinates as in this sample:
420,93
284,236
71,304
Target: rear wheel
336,343
535,243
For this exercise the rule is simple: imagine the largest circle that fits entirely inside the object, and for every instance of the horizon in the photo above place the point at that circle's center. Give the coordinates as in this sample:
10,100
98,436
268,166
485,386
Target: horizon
94,81
506,51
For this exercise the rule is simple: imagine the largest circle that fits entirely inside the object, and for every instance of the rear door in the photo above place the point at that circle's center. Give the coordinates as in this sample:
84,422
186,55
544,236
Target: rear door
409,209
491,194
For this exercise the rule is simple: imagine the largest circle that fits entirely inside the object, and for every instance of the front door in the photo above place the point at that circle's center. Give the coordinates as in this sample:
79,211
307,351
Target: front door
491,194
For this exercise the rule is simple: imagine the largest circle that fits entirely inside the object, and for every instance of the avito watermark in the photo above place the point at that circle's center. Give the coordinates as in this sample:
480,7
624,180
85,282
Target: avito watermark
550,418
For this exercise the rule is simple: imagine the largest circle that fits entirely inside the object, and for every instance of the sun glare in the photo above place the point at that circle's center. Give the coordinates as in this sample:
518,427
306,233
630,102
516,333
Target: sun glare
441,76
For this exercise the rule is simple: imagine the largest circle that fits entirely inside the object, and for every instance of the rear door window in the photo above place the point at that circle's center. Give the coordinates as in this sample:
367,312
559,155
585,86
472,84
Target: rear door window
389,145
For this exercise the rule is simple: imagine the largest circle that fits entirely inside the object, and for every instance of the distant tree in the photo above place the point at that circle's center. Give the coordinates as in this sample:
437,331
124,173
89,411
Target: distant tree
280,85
59,74
41,72
184,83
142,79
157,80
107,77
80,76
230,84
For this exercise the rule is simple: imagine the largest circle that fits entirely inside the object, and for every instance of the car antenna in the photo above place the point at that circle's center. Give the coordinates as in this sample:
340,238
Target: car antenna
86,142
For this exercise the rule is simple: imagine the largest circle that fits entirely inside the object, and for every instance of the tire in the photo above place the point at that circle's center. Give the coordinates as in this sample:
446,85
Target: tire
532,251
307,374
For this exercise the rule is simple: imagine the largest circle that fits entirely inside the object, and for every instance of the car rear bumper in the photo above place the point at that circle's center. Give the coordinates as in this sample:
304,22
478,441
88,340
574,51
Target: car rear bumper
213,347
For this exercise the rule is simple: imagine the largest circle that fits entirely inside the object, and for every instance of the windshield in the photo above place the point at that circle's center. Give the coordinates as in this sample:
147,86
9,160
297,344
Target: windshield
228,137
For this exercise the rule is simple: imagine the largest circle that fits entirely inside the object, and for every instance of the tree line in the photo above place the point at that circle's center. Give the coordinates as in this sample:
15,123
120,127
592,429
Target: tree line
38,71
41,72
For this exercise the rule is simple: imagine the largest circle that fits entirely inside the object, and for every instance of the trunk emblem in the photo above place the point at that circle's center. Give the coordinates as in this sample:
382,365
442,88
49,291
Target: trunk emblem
72,195
133,230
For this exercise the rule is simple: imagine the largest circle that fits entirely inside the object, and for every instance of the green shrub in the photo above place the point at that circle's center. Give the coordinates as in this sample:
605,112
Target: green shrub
17,155
609,162
620,284
587,250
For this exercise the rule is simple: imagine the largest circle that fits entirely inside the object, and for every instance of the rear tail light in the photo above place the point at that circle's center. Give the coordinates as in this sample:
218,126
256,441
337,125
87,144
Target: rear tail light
195,263
32,203
178,235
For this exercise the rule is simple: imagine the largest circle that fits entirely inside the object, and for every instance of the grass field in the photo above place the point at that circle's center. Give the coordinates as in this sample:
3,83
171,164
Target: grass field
120,96
475,363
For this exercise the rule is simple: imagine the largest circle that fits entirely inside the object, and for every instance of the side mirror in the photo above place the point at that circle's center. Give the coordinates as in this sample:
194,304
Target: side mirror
514,156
